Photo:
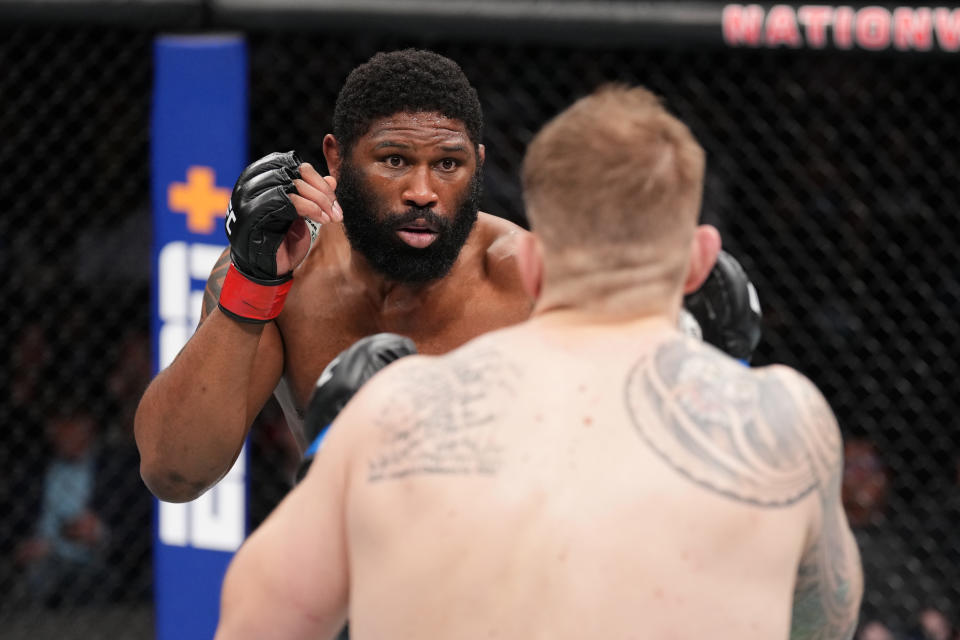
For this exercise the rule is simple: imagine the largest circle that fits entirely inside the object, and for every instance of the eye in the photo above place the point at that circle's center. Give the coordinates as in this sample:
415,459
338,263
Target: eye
394,161
448,164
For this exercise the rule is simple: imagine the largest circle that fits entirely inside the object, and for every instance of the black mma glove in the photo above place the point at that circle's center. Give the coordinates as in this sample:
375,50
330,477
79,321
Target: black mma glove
727,309
258,218
342,378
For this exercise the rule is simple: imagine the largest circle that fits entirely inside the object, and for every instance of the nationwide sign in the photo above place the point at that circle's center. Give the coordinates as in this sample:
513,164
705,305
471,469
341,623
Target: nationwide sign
842,27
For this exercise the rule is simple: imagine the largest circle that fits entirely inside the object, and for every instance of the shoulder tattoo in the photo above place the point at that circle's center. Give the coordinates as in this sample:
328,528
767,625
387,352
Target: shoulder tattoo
442,417
762,438
827,592
825,601
211,294
728,429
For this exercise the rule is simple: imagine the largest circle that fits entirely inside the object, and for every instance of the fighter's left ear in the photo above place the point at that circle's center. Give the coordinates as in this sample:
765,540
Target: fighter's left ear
530,263
706,246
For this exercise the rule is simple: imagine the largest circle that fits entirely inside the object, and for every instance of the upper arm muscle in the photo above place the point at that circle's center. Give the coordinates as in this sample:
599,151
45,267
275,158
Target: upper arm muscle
829,579
290,579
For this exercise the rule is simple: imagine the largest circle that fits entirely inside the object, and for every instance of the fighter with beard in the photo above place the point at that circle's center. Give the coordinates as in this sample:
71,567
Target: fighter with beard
391,241
394,243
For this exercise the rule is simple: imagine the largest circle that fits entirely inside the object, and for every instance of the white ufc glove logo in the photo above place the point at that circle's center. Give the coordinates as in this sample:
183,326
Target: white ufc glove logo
231,218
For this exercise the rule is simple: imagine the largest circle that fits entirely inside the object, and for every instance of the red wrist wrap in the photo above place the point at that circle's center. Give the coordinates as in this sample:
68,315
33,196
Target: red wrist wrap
250,301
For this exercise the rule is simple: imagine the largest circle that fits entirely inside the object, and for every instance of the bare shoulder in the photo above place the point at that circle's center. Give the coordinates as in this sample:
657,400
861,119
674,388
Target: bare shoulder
438,415
814,420
425,381
377,401
829,584
378,393
500,248
807,398
499,233
761,436
500,238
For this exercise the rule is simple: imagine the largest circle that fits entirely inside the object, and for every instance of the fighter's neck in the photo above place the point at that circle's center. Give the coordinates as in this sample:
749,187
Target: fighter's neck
574,316
392,297
609,297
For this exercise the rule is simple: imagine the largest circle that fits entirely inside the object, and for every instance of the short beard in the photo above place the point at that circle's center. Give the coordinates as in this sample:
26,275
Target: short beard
372,231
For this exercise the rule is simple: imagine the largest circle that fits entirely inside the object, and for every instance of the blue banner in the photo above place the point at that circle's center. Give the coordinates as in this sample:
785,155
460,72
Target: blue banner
198,148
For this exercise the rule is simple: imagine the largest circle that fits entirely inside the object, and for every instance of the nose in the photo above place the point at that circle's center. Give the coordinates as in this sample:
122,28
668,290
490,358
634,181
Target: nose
418,190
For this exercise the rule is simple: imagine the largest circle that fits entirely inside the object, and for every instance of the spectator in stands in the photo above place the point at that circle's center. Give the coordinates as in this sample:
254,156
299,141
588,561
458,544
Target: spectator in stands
865,484
932,624
874,630
866,487
22,409
123,502
64,560
30,354
130,375
900,576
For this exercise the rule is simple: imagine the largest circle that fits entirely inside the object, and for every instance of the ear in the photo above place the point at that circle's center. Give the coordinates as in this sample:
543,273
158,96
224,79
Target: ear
530,263
331,151
481,155
706,246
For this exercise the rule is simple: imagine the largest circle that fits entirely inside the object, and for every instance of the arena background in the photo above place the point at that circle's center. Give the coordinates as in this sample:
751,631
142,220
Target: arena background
833,167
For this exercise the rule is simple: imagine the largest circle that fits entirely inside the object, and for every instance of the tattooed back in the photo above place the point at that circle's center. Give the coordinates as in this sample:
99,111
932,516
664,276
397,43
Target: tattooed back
594,482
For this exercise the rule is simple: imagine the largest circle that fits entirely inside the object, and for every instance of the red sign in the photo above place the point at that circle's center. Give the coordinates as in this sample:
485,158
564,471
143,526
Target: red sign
843,27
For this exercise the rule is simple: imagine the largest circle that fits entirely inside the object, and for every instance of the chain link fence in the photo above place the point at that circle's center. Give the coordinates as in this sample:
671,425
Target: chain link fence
833,178
74,242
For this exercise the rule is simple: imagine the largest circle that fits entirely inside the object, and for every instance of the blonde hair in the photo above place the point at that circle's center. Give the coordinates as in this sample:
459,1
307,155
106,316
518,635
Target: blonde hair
614,181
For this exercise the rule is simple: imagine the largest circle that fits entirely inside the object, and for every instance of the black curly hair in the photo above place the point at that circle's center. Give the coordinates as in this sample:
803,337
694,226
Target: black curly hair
409,80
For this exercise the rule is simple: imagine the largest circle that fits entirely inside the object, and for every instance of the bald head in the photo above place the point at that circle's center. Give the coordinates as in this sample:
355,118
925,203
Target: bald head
614,182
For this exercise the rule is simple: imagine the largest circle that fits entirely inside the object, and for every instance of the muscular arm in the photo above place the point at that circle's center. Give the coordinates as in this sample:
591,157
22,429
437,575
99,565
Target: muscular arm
290,579
829,583
193,418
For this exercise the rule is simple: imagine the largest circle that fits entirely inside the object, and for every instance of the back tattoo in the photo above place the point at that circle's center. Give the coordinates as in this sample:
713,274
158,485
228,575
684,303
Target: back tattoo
729,429
447,413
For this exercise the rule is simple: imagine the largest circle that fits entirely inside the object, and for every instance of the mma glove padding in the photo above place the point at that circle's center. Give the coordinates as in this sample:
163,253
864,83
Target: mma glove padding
342,378
258,218
727,309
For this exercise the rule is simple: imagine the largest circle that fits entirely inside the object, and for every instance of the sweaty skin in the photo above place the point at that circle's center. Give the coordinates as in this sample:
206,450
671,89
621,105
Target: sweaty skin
588,473
620,477
329,307
193,418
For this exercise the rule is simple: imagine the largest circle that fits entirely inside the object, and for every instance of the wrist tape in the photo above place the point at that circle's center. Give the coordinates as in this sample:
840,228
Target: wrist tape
247,300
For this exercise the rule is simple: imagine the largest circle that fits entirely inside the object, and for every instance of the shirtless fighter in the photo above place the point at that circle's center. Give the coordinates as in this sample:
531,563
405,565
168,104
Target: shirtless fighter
588,473
397,245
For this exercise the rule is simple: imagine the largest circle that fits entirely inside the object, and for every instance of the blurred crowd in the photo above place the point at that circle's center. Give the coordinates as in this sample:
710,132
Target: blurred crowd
77,525
907,545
